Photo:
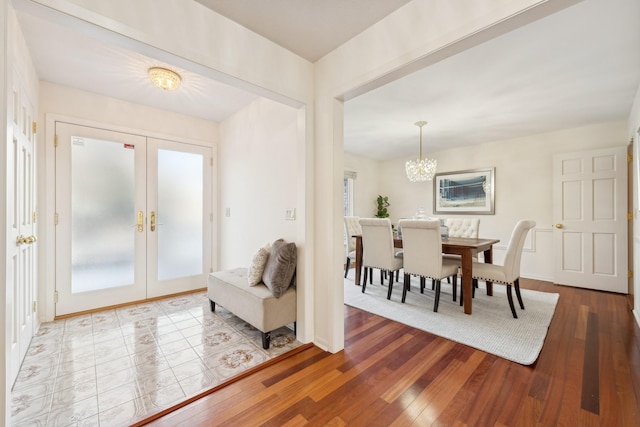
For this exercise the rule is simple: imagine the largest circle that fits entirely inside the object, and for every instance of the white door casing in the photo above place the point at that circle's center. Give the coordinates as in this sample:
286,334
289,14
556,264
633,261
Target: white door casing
590,214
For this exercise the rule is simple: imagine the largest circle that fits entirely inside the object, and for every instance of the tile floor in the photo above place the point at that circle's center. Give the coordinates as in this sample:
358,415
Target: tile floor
116,367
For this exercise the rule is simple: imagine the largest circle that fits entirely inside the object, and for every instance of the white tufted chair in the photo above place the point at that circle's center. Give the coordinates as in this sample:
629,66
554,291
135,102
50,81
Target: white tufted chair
422,245
352,227
463,227
378,250
509,273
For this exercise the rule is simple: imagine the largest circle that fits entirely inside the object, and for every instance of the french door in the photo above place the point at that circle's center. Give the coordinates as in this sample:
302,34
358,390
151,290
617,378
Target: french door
133,217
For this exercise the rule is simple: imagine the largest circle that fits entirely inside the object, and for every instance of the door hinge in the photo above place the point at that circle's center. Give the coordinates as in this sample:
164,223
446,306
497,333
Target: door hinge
630,274
34,306
629,216
34,127
34,217
629,158
55,140
55,218
55,297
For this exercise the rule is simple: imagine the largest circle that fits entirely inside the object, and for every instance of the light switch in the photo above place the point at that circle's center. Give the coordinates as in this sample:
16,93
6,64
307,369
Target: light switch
290,214
227,212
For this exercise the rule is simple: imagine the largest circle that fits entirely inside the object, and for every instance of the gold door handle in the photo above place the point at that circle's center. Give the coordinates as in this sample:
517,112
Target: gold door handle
20,240
30,239
153,221
559,225
140,221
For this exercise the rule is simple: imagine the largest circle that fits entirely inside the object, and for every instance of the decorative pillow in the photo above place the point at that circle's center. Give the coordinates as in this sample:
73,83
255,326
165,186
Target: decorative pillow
281,265
256,268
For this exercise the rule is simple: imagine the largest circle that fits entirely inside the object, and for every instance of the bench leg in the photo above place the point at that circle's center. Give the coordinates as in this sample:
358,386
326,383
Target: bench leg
295,328
213,305
266,340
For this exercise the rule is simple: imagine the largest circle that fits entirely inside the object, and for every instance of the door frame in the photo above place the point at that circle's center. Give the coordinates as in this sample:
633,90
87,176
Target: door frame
46,182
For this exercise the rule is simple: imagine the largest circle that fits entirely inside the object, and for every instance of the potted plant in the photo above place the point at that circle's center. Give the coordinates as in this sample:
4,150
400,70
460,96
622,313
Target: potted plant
383,204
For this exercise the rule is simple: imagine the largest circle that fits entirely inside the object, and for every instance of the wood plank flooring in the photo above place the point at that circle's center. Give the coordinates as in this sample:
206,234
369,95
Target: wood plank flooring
389,374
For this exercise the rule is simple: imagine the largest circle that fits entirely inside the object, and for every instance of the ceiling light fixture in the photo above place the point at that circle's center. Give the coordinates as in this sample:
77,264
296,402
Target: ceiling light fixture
422,169
164,78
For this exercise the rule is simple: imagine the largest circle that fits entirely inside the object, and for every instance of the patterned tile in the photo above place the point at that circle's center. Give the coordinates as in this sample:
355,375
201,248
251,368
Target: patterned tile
116,367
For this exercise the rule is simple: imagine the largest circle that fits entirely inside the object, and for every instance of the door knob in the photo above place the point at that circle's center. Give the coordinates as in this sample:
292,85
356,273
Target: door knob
30,239
20,240
559,225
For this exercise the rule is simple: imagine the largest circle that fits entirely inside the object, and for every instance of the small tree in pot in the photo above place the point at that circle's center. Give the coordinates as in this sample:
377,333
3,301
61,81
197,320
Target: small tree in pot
383,204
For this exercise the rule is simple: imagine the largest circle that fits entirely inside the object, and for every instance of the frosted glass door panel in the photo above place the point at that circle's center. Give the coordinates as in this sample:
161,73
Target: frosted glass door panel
100,252
102,214
180,214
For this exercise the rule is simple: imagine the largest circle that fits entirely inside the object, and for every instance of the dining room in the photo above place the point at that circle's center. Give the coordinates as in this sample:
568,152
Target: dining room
523,187
519,184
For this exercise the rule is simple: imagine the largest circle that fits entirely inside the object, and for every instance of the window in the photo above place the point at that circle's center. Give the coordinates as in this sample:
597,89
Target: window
349,181
347,202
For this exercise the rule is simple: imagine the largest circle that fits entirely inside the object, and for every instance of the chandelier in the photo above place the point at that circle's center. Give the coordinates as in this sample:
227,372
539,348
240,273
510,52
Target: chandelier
164,79
422,169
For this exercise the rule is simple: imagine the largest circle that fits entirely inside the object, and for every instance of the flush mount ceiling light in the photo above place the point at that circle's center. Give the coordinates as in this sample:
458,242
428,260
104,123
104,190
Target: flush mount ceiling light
422,169
164,78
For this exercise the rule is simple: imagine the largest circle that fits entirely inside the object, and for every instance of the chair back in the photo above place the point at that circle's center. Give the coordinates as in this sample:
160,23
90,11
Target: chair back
515,247
422,245
352,227
463,227
377,243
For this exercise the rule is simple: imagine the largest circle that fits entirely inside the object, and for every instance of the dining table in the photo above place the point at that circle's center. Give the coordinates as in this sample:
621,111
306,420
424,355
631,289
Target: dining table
467,248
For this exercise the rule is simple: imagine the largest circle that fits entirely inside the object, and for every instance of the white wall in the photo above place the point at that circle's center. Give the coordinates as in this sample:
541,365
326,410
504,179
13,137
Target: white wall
258,180
523,185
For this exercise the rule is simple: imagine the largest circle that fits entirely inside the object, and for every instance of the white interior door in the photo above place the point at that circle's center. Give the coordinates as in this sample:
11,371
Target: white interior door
590,212
134,217
22,218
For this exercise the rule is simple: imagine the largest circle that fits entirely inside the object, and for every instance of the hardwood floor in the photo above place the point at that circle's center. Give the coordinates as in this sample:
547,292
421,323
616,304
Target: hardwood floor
588,373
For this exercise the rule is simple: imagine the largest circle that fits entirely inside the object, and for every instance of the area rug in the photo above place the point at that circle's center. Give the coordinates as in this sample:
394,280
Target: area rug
491,327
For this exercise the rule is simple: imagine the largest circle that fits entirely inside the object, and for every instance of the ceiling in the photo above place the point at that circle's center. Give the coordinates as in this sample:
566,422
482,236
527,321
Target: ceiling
573,68
308,28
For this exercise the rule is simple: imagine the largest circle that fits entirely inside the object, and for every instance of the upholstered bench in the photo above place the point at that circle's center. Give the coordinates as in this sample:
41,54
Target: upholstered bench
255,305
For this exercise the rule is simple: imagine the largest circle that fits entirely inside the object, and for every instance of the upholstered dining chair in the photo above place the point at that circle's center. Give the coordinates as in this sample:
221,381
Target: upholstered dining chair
462,227
422,245
509,273
378,251
352,227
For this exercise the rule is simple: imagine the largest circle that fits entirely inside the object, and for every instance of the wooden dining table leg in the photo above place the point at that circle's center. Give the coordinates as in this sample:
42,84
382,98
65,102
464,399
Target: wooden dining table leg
488,258
467,280
358,259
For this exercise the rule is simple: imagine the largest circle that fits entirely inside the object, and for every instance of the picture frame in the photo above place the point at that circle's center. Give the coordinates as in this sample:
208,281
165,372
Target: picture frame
465,192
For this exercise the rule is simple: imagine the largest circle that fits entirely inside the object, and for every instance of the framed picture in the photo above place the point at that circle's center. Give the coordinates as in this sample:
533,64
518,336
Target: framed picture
464,192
